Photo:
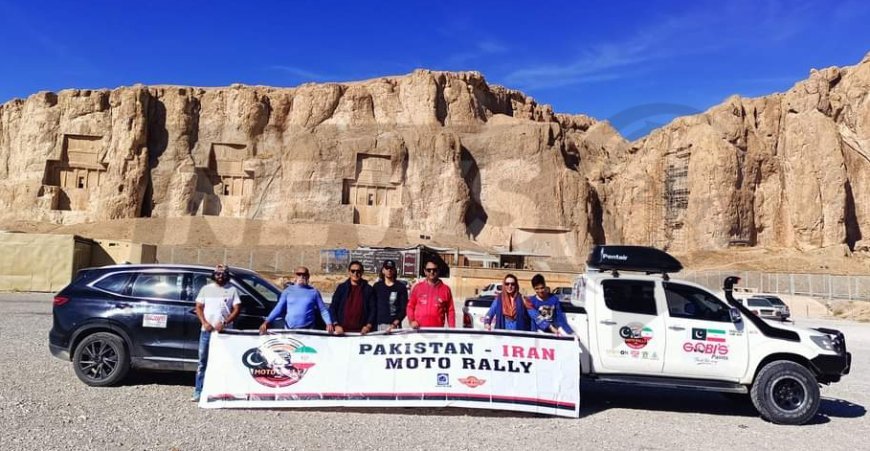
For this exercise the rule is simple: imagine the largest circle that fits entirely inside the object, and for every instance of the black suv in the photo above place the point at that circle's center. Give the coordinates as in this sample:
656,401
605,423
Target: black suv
112,318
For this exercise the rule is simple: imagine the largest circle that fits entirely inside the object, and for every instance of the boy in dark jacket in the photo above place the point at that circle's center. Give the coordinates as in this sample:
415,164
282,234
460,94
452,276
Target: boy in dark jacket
353,307
392,298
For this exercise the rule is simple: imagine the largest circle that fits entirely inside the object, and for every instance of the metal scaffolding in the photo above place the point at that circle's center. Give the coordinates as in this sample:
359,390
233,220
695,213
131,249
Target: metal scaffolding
675,197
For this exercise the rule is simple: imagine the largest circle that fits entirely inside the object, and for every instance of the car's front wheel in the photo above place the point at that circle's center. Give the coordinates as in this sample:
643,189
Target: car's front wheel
786,392
101,360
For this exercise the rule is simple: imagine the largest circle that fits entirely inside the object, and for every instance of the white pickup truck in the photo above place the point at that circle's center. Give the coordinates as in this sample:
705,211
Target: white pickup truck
637,326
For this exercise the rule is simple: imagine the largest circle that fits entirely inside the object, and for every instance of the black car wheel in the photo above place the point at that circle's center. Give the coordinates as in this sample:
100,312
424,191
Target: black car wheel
101,360
786,393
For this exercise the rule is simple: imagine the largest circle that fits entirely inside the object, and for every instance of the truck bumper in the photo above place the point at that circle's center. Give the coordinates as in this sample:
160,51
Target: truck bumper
829,368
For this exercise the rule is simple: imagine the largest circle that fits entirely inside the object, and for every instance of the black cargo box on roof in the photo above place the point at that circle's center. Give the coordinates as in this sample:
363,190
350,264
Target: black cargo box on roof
632,258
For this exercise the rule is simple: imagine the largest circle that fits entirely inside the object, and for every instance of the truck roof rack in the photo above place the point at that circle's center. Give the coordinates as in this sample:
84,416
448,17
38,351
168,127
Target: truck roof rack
632,258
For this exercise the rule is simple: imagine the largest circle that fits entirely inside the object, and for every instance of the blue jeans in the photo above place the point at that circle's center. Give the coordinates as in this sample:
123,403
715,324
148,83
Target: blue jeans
204,340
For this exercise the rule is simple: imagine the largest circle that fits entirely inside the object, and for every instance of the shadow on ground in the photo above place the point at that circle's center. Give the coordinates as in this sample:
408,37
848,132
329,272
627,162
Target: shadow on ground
598,397
595,398
176,378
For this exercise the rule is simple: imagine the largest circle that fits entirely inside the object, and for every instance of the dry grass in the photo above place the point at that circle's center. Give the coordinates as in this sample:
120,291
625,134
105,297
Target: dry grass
852,310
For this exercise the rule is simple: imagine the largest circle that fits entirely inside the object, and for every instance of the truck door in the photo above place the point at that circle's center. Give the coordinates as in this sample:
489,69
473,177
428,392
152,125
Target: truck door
702,340
628,327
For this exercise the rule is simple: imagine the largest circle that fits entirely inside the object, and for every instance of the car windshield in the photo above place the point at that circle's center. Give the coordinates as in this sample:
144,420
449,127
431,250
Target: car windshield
774,300
266,289
758,302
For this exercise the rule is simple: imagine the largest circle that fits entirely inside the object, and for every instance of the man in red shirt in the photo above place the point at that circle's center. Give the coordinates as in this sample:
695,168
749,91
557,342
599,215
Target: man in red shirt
431,301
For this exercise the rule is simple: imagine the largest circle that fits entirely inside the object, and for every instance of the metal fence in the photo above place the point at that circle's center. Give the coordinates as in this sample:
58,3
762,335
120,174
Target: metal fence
825,286
285,260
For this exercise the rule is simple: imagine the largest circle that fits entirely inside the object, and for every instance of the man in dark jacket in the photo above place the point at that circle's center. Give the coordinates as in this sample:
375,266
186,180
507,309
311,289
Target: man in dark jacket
353,307
392,298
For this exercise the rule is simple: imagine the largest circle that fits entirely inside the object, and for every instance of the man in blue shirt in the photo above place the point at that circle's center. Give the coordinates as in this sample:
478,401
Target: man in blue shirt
545,309
298,304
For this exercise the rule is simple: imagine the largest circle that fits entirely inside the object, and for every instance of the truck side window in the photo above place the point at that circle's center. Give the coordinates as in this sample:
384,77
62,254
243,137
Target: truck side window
693,303
630,296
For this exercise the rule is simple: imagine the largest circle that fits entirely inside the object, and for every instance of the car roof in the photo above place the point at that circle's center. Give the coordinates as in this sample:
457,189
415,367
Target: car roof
768,296
146,266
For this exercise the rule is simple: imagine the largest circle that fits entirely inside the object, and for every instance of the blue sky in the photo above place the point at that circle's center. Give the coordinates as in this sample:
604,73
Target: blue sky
635,63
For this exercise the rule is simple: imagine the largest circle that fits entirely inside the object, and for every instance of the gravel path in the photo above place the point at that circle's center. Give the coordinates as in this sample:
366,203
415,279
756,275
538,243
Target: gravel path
44,406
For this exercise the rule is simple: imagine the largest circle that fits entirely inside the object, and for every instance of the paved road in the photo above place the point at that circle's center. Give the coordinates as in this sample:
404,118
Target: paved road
44,406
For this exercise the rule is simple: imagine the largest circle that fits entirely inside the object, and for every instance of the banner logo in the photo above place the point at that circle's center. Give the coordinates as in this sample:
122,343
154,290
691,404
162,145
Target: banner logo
472,381
279,362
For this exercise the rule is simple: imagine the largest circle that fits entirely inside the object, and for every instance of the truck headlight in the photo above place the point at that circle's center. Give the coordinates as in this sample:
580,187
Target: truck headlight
823,341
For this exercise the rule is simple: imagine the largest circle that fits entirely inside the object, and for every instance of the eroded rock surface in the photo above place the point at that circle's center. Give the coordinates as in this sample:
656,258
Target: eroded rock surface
446,152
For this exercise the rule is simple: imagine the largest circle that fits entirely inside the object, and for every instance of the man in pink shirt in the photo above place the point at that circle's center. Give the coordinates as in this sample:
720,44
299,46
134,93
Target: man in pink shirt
431,301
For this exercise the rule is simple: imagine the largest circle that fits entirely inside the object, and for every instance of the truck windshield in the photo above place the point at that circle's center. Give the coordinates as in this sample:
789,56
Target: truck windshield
685,301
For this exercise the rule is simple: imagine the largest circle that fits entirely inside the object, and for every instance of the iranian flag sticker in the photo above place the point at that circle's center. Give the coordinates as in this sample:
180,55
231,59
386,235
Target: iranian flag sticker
716,335
303,357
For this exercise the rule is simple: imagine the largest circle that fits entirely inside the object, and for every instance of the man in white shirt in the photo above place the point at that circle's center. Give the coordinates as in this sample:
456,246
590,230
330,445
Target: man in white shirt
217,305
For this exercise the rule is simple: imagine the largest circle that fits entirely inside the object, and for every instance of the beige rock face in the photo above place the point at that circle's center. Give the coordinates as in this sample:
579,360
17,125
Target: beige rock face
430,151
448,153
787,170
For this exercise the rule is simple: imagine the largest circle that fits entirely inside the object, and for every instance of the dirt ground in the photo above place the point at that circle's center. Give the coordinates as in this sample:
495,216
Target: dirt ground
43,406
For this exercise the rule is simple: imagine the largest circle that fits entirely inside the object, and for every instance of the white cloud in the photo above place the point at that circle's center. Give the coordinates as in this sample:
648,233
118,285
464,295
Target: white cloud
299,72
693,32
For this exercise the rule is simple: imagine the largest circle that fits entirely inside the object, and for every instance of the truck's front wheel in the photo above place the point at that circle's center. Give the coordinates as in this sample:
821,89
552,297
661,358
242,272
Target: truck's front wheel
786,392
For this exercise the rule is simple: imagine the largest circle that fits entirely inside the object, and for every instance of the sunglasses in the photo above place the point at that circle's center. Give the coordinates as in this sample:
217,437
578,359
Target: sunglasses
302,274
431,269
356,271
220,274
510,284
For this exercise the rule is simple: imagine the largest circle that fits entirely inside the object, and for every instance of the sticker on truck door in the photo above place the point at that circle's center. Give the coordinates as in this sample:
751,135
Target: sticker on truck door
635,335
707,346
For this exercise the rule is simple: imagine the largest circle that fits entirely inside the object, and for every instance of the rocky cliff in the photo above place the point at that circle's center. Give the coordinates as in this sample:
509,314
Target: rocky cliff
446,152
786,170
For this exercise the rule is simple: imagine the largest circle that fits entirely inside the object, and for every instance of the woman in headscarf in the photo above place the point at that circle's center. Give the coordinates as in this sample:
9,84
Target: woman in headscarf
507,310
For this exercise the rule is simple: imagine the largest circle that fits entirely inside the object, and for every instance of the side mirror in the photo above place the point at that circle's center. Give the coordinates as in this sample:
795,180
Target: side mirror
736,317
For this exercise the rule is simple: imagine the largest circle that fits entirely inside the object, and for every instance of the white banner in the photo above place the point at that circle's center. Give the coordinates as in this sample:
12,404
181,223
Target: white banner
432,367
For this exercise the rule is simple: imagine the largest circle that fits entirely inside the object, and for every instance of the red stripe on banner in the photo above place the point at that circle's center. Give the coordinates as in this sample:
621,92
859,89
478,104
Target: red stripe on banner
720,340
387,396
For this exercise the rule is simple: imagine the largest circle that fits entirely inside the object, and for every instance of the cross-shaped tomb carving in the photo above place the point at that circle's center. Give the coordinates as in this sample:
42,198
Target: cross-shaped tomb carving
371,191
